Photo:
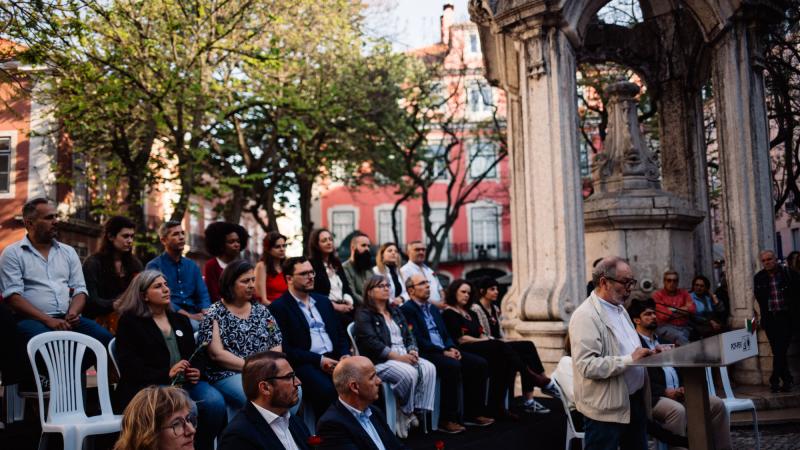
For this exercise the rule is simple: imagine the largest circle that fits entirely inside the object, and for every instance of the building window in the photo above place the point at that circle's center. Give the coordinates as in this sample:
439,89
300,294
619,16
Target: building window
485,239
474,43
342,224
5,165
436,158
479,98
437,218
795,238
482,158
385,233
779,244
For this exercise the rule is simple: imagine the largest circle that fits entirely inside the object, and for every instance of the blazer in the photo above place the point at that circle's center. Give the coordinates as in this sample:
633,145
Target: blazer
143,356
249,431
372,333
416,321
297,336
322,285
339,430
658,381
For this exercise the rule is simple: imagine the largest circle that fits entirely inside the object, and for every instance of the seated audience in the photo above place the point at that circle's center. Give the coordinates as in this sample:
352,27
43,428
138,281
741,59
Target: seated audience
42,280
109,271
387,263
158,418
709,318
352,423
270,282
674,307
462,373
416,266
465,330
265,423
358,269
235,328
224,242
525,358
665,384
313,337
189,292
155,346
329,278
382,335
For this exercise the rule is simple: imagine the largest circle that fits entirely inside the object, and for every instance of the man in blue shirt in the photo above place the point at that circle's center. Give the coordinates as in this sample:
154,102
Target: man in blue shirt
189,295
42,279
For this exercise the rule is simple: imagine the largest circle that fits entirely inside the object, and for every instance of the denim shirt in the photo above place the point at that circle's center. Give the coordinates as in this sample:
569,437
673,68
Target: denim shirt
433,330
187,289
47,284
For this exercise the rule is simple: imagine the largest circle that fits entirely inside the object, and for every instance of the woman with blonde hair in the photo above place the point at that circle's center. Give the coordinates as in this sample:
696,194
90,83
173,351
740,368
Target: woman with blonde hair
158,418
387,264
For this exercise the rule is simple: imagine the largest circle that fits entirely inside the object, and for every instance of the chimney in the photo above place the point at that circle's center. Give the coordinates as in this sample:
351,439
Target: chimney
448,13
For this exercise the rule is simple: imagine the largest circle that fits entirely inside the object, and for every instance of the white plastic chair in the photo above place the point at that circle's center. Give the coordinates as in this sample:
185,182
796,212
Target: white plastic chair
733,404
112,353
572,433
389,398
62,353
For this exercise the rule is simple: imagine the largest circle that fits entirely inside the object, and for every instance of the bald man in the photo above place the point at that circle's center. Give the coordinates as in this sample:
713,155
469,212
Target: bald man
352,423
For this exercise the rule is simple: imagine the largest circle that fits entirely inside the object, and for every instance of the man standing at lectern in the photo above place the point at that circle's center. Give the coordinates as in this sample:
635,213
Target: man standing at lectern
611,394
776,289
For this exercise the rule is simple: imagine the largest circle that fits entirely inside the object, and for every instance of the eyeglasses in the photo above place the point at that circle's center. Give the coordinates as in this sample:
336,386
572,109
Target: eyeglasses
309,274
179,426
381,286
629,283
421,283
288,376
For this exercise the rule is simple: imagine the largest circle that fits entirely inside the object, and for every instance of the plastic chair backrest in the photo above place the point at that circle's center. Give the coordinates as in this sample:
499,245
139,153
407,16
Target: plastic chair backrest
62,353
112,352
710,381
350,330
565,405
726,382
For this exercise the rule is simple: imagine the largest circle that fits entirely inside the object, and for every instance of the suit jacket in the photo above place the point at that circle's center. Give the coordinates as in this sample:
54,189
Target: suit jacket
143,356
658,381
372,333
416,320
297,336
339,430
790,289
249,431
322,285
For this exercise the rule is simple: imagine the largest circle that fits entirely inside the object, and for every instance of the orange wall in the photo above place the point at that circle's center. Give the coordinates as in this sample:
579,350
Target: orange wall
15,117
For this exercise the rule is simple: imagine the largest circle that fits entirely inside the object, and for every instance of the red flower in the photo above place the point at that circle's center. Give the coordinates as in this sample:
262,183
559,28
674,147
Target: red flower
439,445
314,440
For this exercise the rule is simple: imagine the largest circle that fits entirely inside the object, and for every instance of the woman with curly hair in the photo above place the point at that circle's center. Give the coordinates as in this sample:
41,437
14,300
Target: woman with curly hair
270,282
158,418
224,242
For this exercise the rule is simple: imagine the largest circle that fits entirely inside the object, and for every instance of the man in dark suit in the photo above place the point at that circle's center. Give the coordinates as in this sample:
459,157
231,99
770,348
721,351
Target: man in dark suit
313,338
458,370
352,423
265,423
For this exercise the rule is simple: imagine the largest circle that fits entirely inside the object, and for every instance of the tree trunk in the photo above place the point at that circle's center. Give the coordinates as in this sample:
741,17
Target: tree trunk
305,185
234,206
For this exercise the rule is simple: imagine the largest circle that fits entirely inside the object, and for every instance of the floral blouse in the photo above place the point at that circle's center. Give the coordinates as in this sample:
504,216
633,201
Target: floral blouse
242,337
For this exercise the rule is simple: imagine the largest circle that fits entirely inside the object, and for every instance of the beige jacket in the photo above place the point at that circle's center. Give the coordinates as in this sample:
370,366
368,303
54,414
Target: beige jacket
599,386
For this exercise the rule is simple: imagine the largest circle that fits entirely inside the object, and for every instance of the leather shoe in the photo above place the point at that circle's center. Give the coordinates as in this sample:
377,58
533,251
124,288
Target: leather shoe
451,428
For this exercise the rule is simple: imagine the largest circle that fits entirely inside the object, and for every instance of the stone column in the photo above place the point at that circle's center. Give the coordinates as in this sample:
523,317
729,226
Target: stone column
747,215
549,247
684,171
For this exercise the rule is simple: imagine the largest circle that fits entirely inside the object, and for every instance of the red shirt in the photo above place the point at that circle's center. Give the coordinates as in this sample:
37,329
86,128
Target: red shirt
276,286
681,300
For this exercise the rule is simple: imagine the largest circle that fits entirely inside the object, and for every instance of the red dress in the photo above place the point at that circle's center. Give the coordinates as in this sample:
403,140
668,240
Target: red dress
276,286
212,271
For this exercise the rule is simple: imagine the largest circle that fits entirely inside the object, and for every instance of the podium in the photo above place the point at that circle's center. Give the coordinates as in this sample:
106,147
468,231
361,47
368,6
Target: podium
691,360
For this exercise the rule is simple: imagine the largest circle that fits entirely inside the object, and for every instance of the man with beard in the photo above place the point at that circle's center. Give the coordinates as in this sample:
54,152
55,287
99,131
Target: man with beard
265,423
666,390
358,269
313,338
42,279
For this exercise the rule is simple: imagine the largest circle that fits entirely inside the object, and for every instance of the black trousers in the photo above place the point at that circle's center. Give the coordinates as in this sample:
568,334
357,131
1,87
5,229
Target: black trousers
778,326
524,356
465,377
501,369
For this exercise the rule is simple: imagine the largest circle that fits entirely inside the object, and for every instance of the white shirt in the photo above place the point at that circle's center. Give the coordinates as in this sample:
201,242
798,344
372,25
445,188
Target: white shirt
410,269
222,264
628,340
279,425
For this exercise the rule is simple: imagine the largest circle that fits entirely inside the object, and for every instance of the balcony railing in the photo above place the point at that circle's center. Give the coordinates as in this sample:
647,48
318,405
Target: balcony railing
476,251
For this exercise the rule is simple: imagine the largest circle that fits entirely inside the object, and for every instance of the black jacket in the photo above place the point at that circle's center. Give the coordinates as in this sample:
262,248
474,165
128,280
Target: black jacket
322,285
372,334
143,356
339,430
790,288
297,336
658,381
249,431
416,321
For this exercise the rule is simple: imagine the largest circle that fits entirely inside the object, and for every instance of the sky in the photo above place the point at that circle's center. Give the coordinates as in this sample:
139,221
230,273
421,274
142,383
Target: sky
410,23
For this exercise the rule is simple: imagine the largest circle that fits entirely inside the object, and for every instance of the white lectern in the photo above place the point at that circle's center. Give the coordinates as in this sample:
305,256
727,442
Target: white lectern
692,359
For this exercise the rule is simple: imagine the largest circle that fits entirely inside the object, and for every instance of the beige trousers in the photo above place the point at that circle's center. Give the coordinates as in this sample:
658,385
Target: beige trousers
672,416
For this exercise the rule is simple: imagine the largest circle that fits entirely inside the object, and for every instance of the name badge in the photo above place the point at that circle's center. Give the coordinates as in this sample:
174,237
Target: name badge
179,333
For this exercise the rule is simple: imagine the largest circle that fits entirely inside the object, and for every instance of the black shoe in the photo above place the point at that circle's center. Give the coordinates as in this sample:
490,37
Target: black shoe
774,388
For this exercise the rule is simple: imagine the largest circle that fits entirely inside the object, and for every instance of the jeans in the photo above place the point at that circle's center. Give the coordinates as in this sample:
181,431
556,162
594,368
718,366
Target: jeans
28,328
317,386
610,435
211,413
231,389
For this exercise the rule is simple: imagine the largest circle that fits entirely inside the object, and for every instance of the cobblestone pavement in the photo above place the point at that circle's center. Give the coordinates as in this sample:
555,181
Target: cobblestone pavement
773,437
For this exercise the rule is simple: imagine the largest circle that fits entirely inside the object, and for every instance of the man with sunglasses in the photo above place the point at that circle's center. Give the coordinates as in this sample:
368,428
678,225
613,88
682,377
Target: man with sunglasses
674,307
608,390
265,423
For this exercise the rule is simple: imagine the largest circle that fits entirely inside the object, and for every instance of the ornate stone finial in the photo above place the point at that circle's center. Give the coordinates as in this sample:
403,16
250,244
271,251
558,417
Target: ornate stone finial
626,163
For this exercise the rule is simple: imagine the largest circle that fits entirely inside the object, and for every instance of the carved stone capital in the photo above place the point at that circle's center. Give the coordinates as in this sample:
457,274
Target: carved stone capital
536,55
